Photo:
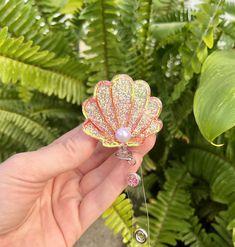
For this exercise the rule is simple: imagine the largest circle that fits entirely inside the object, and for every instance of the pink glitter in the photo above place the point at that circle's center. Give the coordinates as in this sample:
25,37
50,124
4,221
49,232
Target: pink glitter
122,103
133,179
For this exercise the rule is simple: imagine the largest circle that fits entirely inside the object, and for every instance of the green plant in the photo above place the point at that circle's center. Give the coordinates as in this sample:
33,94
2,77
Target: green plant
187,57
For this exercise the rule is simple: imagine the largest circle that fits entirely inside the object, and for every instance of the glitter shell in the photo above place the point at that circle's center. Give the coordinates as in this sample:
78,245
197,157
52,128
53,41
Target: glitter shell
119,104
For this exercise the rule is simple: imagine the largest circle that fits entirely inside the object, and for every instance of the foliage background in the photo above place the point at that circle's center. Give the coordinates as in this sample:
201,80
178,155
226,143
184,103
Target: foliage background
185,51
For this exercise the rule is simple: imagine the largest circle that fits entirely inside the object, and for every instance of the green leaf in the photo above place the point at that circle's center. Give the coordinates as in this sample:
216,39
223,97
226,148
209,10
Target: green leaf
120,217
202,53
163,30
71,6
196,65
214,101
209,38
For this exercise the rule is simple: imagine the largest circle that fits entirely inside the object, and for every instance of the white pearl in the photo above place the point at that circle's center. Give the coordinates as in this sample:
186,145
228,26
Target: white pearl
123,134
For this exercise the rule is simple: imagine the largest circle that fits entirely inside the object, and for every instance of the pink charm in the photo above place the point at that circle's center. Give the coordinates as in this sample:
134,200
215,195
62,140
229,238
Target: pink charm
133,179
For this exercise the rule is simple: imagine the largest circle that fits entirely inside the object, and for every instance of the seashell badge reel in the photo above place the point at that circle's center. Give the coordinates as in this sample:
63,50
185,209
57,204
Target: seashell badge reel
123,114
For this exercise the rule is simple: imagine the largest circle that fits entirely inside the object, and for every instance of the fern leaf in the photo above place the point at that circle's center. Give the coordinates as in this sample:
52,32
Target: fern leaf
120,217
148,164
176,113
23,19
195,47
103,52
12,121
171,211
39,69
215,169
223,237
196,236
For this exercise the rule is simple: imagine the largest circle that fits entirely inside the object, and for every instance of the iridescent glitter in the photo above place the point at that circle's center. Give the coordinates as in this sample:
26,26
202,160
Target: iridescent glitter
133,179
122,103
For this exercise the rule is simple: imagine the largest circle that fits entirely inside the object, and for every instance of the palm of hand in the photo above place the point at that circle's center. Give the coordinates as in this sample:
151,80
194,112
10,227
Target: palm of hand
55,211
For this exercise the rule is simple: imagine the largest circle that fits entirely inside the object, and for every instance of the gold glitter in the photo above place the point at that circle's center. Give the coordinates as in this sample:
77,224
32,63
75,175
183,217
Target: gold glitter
122,92
103,95
122,103
140,99
92,112
152,110
90,129
154,127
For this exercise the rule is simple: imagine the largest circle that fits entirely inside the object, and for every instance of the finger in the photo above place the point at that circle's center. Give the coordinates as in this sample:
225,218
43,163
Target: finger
68,135
100,154
52,160
98,157
100,198
93,178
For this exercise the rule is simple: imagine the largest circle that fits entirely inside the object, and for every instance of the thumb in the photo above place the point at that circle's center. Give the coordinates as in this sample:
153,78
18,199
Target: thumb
66,153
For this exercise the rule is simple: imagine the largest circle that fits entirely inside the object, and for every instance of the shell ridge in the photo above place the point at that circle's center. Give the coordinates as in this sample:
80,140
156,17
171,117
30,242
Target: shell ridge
107,86
114,108
131,105
157,121
148,115
119,101
105,119
143,110
93,100
113,105
90,133
99,129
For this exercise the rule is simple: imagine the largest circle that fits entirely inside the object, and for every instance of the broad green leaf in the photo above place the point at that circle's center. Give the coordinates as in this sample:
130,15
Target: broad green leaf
214,101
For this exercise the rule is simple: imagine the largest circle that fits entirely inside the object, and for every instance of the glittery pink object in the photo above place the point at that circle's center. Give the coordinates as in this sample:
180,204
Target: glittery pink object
122,112
133,179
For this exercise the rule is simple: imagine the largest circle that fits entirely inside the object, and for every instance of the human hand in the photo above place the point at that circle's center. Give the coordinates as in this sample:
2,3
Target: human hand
49,197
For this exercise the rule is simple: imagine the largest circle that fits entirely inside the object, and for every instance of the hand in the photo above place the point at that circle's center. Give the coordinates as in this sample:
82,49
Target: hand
49,197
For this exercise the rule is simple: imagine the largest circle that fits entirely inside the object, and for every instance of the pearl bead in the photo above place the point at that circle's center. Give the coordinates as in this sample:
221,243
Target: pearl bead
123,134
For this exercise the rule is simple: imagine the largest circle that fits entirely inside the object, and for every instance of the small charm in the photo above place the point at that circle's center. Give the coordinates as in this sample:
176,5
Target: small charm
141,236
133,179
124,154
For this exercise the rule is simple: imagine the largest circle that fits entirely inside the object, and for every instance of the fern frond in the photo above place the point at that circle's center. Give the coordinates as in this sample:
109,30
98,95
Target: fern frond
222,236
162,31
46,7
103,54
128,23
12,121
196,235
39,69
23,19
148,164
9,146
166,6
171,211
215,169
120,217
16,124
176,113
199,39
52,108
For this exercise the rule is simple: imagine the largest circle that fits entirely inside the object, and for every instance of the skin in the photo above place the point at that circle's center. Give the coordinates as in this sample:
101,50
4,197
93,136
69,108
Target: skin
49,197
